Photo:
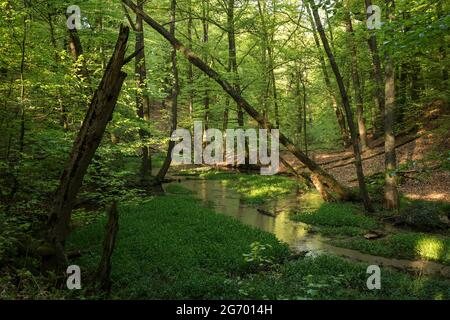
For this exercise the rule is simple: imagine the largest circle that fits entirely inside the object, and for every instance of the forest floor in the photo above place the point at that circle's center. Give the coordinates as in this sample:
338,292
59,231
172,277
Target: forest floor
420,155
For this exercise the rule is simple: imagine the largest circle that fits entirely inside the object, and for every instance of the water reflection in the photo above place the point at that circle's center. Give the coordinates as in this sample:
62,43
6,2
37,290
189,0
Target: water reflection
228,202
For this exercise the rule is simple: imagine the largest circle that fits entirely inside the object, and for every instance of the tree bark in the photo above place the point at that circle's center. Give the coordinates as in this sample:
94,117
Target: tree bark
391,196
346,102
378,74
190,68
89,137
63,119
172,101
205,25
142,98
109,242
356,81
232,55
331,185
345,135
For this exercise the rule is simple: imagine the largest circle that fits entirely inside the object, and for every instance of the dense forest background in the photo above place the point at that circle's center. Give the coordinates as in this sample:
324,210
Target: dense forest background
318,73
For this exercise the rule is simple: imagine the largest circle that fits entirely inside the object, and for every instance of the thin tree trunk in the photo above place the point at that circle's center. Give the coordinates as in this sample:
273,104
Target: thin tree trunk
328,185
391,196
172,101
346,102
190,69
334,100
266,80
443,50
63,119
84,148
76,49
205,24
296,77
305,134
356,81
232,55
378,74
22,82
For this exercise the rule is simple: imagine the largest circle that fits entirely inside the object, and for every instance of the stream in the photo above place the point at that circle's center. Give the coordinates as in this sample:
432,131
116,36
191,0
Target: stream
215,194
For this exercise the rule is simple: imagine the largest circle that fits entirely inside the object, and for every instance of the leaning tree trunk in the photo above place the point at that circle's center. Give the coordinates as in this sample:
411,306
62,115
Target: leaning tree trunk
346,102
98,115
331,189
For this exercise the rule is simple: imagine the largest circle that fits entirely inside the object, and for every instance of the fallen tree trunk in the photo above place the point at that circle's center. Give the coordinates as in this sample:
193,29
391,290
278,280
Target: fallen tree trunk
98,115
379,144
398,145
329,188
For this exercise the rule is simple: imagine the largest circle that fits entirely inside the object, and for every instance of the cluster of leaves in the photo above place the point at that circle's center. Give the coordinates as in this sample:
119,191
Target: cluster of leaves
259,254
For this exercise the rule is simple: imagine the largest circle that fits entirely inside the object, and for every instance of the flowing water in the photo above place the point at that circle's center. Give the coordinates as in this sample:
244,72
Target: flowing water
217,195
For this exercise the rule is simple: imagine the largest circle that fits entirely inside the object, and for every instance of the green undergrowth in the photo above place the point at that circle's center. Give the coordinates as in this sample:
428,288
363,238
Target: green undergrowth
336,219
172,247
406,245
255,188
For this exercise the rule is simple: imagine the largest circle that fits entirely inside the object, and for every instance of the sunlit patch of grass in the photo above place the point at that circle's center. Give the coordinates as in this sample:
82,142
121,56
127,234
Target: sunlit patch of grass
255,189
336,215
430,248
407,245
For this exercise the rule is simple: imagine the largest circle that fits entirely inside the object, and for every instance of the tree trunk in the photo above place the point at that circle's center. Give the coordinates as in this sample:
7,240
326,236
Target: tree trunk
109,242
356,82
205,25
63,120
190,68
345,135
378,74
232,55
172,101
391,196
334,190
348,111
142,98
89,137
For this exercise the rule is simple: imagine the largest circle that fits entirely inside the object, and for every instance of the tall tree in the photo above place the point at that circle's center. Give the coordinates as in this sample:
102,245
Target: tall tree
172,100
356,79
345,135
232,55
267,40
205,26
346,102
391,196
142,98
377,71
